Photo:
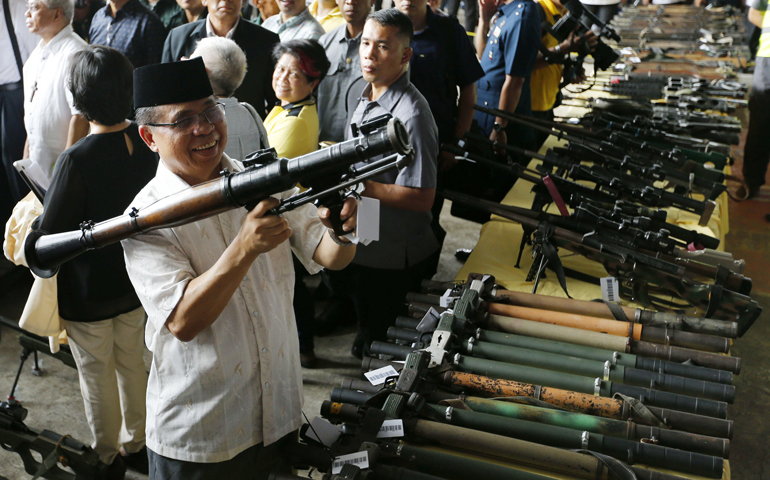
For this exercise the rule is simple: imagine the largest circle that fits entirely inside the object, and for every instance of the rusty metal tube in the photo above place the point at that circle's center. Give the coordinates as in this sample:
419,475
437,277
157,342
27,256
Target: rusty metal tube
587,403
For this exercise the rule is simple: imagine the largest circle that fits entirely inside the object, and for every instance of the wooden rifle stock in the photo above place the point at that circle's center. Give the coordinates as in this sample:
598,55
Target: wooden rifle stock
383,135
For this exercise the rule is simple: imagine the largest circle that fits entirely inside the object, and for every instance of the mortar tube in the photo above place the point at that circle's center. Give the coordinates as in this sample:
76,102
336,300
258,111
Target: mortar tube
615,357
596,386
614,428
587,403
606,370
624,450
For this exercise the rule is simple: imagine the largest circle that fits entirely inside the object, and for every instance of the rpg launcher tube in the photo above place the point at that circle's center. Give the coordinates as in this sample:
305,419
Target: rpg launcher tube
614,357
563,348
606,370
577,383
597,386
625,450
452,467
645,317
587,403
613,327
612,342
511,449
614,428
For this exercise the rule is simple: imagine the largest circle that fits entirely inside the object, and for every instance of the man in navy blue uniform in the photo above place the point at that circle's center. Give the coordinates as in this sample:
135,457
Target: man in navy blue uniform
507,41
443,63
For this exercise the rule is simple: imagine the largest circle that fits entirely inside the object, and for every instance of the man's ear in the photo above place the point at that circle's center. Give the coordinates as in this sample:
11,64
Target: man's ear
407,55
146,133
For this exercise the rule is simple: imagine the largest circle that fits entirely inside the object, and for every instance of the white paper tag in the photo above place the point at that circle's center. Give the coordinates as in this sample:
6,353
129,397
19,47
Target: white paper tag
367,222
377,377
635,60
391,428
610,289
327,433
446,299
359,459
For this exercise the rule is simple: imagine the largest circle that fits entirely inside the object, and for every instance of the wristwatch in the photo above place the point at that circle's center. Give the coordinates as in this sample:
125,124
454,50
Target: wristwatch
498,127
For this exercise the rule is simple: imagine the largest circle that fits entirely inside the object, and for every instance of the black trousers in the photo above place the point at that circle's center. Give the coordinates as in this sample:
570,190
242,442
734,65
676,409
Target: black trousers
12,138
756,154
378,294
254,463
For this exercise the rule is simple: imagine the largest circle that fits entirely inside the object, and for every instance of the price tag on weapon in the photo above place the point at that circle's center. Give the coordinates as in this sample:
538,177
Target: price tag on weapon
610,289
359,459
367,222
391,428
377,377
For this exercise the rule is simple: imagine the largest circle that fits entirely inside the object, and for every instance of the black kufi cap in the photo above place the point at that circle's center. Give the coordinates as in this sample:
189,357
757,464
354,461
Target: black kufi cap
168,83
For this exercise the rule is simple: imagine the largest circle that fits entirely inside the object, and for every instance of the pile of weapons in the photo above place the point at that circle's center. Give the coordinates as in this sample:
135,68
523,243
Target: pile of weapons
481,382
680,26
686,93
486,383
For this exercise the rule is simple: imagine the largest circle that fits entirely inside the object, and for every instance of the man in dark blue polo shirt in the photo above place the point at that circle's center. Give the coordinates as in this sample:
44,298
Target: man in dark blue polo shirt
443,62
132,29
507,41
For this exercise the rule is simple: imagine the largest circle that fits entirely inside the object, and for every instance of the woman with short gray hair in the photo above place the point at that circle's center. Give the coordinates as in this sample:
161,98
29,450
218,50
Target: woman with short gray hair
226,66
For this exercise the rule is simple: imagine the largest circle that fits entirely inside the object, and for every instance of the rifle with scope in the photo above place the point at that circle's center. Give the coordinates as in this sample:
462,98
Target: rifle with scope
327,173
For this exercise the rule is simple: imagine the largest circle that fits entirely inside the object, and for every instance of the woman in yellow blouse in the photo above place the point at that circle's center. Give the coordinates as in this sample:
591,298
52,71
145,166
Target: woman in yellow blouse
292,126
292,129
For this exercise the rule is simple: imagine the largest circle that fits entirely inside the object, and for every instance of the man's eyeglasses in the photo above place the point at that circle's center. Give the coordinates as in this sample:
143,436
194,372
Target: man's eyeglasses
186,125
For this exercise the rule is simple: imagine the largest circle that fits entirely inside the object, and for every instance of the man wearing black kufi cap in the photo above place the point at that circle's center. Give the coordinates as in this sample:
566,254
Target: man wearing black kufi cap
225,385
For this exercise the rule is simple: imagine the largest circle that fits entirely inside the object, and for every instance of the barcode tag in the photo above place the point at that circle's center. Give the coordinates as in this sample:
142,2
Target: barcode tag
359,459
377,377
391,428
610,289
446,298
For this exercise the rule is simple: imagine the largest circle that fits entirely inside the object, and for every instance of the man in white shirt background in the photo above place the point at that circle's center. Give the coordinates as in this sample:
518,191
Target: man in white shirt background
53,124
16,43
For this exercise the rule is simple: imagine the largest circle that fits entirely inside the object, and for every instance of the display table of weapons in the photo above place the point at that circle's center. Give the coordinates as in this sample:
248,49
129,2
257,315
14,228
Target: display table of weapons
616,364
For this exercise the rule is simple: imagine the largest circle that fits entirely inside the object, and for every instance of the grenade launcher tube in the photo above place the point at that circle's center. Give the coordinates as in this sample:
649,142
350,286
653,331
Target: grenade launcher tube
45,252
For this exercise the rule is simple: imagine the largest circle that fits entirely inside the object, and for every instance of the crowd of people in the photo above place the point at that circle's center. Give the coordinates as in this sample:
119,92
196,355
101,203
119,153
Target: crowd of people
123,104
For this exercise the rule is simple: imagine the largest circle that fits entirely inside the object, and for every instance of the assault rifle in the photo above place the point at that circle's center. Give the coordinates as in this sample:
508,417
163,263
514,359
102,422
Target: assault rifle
327,173
647,280
609,185
56,450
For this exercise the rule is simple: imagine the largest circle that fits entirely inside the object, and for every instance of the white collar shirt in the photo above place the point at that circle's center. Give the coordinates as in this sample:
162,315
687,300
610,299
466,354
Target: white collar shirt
211,33
238,382
47,114
301,26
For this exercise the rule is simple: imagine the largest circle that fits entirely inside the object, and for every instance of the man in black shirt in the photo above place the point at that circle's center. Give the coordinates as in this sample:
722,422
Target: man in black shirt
96,179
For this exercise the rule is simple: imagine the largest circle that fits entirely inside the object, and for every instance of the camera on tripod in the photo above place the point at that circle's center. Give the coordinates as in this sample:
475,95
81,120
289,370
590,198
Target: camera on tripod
579,20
